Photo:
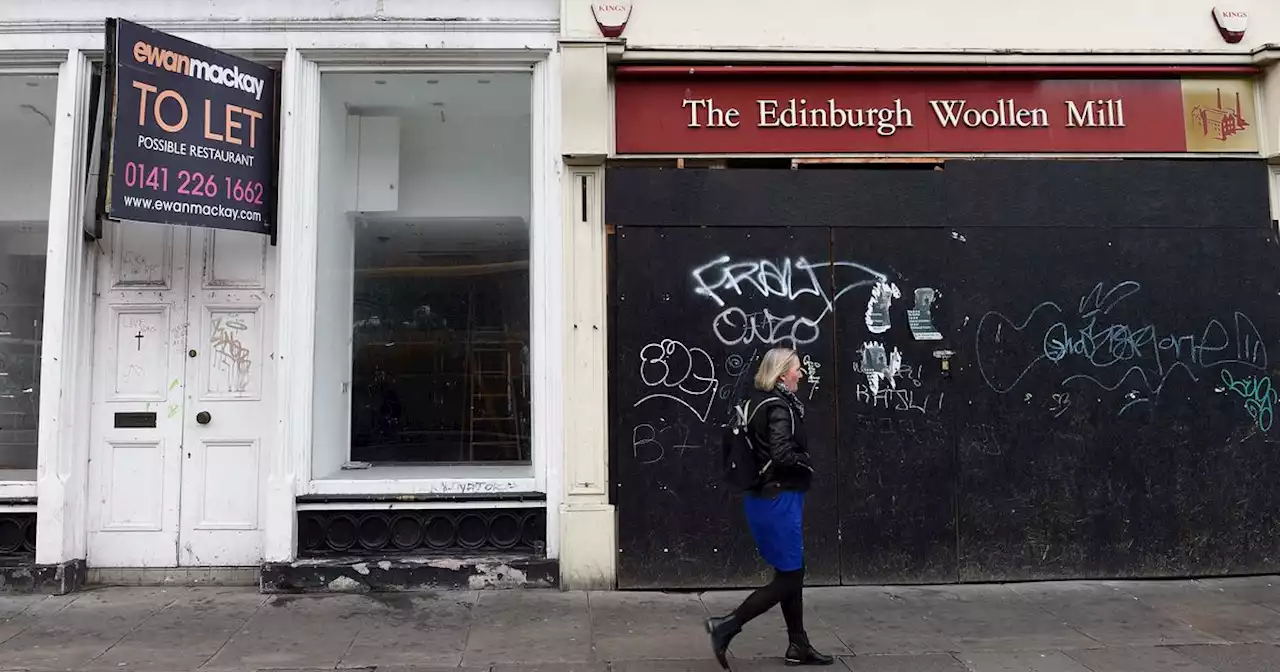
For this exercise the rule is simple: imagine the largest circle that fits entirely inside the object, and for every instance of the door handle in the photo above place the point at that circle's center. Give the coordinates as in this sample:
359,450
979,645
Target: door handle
203,417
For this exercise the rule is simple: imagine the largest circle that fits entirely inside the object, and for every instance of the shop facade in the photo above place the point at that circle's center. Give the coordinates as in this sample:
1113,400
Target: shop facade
366,396
1001,248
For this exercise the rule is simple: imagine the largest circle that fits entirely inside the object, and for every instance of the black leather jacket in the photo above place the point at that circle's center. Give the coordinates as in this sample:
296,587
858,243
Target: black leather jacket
777,432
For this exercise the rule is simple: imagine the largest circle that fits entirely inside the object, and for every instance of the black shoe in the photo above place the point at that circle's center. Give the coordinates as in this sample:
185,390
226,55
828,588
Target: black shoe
722,631
801,652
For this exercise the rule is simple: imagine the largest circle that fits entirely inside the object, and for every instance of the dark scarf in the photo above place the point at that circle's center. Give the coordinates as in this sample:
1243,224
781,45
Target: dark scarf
790,397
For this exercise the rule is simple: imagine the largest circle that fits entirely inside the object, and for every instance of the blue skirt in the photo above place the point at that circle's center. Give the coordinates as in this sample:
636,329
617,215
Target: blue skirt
778,528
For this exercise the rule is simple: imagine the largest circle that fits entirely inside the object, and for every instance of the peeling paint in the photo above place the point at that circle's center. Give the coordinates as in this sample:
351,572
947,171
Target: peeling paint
447,563
344,584
362,568
496,576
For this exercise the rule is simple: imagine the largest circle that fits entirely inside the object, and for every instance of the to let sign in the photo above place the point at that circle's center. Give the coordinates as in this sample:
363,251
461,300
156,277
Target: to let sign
707,114
192,133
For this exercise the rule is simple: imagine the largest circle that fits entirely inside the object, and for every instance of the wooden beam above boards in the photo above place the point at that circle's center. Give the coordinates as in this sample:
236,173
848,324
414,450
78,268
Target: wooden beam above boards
832,161
713,164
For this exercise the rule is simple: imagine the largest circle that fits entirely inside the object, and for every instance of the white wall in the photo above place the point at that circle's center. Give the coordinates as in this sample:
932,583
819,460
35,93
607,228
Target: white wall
263,30
932,25
465,167
238,10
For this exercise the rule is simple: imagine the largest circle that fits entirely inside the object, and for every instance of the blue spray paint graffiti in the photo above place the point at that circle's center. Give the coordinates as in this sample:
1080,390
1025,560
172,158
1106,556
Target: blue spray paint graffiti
1110,353
1258,394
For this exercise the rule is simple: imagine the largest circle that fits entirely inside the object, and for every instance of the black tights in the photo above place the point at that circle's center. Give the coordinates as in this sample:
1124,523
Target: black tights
787,589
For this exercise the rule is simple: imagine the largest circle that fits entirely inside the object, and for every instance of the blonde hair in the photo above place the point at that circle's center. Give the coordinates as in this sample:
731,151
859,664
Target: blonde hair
774,363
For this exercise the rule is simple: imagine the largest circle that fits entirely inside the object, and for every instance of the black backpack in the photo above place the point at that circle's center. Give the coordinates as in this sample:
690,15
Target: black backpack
739,458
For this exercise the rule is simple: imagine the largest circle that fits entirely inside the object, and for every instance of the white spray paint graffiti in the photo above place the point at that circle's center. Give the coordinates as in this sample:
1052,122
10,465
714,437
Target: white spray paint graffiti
687,372
879,367
882,296
788,280
811,374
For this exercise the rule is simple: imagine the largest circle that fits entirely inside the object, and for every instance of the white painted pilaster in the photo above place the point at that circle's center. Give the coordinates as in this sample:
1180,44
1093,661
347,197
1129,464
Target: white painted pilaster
547,287
588,526
65,371
296,298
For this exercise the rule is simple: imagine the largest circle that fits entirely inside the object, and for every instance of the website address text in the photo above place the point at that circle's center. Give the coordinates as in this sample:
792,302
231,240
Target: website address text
184,208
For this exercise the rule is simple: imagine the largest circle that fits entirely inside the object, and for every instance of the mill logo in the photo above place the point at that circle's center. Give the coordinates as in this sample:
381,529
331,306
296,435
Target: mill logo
1220,122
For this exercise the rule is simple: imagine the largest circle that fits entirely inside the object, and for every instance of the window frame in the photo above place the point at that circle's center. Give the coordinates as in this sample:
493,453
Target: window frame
41,64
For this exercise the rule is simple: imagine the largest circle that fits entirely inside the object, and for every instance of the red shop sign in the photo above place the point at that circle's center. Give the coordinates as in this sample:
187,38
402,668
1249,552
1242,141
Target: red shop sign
709,114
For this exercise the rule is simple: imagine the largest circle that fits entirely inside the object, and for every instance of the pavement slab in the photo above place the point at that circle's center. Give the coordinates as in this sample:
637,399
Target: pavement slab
545,667
292,631
931,662
1137,659
528,627
708,665
184,634
1229,617
1021,661
1236,657
82,630
991,618
639,626
21,614
411,629
1260,590
877,621
1110,616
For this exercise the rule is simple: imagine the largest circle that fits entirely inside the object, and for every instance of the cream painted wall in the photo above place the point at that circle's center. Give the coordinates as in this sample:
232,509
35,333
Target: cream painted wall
931,25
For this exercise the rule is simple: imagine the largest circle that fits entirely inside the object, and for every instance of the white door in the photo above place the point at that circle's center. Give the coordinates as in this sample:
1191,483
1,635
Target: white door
182,397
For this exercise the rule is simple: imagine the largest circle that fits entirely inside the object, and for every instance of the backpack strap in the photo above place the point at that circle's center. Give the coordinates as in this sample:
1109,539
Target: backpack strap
747,418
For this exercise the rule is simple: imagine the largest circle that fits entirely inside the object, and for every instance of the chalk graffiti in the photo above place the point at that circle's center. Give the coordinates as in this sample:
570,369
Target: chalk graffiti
1259,397
1109,353
723,279
739,371
879,367
920,318
882,296
810,368
644,435
647,445
1061,402
896,399
911,427
684,371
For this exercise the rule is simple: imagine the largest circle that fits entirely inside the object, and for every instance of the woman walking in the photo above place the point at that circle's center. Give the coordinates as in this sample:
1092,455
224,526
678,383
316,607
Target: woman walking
775,427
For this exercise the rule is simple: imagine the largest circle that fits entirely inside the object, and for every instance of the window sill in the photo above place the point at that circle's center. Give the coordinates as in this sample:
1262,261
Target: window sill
433,480
17,484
